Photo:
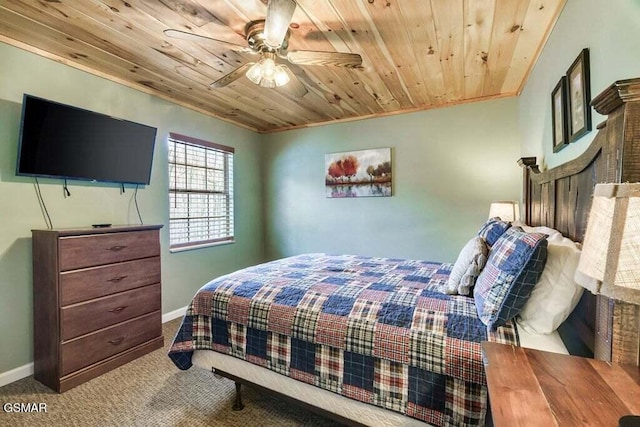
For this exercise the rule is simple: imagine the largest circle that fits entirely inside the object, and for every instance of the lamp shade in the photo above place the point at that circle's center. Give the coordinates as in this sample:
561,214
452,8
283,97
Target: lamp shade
610,259
505,210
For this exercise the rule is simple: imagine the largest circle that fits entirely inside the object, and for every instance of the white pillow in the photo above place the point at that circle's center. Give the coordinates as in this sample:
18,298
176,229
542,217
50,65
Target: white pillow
556,294
468,266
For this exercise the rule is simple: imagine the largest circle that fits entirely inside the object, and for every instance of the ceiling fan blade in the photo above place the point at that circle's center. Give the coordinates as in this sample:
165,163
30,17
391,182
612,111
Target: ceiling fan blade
294,87
279,14
232,76
184,35
337,59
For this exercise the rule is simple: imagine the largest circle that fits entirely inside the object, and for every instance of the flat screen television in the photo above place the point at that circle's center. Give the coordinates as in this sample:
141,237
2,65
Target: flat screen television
61,141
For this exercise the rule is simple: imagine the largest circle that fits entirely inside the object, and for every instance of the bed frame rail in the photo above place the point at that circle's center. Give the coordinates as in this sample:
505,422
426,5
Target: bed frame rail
238,405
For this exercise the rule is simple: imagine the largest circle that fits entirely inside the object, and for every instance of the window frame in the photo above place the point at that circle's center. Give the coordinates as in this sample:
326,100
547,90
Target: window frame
229,154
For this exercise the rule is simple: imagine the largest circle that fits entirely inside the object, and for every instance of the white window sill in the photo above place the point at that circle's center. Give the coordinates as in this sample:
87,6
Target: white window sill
200,246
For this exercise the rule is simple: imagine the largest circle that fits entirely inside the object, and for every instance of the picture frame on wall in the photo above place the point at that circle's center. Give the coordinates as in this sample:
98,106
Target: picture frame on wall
559,115
363,173
579,96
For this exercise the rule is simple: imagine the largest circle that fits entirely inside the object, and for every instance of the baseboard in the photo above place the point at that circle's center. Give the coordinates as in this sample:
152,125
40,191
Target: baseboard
25,370
174,314
16,374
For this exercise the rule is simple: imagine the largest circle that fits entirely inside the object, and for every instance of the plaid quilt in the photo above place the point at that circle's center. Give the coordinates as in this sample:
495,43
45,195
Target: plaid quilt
377,330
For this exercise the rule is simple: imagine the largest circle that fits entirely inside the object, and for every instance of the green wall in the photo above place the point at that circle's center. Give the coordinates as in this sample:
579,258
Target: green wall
448,165
611,31
182,273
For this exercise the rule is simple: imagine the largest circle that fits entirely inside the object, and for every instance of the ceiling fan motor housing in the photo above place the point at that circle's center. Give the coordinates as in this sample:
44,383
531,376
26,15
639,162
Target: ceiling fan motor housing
254,32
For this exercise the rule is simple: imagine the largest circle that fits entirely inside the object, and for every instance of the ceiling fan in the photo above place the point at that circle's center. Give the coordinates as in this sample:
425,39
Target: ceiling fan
269,38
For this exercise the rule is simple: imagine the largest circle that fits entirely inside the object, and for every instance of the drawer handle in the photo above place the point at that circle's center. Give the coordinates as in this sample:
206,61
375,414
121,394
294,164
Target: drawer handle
117,248
116,341
118,309
117,279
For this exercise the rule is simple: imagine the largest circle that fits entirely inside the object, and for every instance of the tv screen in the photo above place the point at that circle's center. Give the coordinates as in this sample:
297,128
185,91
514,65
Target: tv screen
61,141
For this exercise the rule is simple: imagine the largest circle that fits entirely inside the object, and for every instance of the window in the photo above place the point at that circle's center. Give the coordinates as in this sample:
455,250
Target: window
200,192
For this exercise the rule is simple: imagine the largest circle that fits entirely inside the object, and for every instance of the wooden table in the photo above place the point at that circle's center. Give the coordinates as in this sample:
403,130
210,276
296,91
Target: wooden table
537,388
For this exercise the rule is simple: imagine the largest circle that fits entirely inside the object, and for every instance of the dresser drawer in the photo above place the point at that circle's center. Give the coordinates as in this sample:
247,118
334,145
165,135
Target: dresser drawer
84,351
99,249
90,283
79,319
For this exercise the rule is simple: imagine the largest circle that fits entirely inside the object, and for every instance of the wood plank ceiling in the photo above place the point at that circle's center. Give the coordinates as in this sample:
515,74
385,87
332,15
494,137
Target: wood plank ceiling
417,54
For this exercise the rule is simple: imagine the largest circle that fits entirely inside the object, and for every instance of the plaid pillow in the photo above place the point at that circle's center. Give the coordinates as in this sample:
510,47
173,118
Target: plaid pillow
492,230
514,266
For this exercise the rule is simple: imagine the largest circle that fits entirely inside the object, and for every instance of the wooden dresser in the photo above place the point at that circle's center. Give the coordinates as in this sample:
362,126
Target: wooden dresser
96,301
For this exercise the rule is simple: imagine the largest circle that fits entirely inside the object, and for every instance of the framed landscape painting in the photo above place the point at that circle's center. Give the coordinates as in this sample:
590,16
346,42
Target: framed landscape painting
559,115
365,173
579,94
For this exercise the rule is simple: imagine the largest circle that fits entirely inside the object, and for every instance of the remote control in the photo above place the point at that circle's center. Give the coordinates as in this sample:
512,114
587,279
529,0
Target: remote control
100,225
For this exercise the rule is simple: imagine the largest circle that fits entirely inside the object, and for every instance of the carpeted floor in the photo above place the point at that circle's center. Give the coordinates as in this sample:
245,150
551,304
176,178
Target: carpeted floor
151,391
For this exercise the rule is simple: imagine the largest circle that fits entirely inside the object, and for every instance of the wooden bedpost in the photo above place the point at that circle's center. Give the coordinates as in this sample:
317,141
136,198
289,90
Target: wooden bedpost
527,163
621,103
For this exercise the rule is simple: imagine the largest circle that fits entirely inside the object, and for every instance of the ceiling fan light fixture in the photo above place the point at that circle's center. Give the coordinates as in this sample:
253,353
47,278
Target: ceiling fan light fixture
268,83
267,74
282,78
268,68
255,73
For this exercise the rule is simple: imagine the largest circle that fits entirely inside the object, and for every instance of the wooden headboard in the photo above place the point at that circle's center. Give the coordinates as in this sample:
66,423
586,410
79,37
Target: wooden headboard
561,198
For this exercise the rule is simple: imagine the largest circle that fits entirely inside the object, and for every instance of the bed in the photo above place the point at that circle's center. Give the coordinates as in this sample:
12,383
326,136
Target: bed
371,329
373,341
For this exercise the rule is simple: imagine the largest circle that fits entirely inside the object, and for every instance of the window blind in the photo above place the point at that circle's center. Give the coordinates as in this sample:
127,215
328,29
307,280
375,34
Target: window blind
200,192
